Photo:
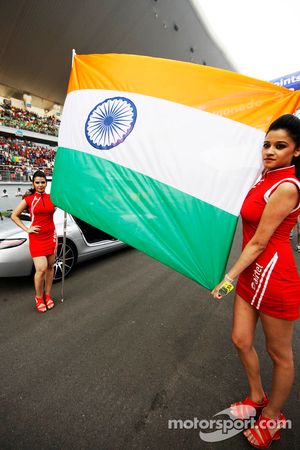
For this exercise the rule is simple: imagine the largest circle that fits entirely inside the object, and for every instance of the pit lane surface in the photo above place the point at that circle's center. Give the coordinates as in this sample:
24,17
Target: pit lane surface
133,346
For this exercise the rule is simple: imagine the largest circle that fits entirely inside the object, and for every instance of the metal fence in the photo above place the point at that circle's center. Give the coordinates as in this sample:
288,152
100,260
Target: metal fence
7,175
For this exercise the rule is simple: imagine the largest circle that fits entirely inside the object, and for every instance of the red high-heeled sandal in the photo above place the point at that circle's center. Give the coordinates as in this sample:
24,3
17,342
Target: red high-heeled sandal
248,408
264,425
40,305
49,301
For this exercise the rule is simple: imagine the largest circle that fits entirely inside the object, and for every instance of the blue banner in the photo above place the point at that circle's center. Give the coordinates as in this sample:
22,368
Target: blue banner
291,81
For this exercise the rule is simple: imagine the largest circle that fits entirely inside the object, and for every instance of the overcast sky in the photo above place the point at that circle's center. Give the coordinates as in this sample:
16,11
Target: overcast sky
260,37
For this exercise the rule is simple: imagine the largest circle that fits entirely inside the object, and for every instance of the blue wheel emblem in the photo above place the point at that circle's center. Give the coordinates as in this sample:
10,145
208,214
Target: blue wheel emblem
110,122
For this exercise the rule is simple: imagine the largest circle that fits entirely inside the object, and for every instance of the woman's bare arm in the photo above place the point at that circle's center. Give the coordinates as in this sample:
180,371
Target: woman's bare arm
279,206
16,218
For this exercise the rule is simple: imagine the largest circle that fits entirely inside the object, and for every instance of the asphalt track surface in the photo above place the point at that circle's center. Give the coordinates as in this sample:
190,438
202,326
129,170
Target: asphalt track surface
133,346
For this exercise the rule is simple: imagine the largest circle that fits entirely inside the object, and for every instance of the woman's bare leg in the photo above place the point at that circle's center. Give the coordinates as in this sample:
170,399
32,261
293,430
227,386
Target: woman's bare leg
244,324
278,334
40,264
49,274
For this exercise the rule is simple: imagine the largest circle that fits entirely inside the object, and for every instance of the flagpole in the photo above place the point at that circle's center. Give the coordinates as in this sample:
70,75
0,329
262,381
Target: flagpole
63,257
65,233
73,56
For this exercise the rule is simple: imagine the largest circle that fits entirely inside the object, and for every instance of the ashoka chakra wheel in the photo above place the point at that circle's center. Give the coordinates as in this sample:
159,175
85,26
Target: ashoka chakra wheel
110,122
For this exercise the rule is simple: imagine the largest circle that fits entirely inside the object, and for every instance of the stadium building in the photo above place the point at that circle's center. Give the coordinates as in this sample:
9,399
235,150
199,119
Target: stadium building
37,39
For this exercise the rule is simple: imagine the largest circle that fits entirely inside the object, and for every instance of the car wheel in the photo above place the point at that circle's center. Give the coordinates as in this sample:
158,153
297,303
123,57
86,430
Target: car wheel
70,259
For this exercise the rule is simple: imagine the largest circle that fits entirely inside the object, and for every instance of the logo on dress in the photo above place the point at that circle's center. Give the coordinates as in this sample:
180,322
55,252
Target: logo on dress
110,122
256,275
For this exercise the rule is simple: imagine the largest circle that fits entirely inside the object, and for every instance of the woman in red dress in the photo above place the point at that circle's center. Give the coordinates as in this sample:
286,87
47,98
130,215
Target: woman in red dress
268,287
42,238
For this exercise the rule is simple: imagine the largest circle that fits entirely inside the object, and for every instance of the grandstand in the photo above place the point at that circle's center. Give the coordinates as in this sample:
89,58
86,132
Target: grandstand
35,61
19,158
27,120
28,138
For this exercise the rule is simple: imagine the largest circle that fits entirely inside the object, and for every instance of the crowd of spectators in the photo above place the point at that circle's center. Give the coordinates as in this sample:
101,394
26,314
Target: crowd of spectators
19,158
24,119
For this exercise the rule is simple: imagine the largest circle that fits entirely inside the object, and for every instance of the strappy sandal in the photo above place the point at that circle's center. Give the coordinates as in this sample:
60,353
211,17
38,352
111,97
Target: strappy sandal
264,425
40,305
248,408
49,301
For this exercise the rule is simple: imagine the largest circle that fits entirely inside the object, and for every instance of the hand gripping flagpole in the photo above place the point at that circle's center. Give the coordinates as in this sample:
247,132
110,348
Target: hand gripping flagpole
63,257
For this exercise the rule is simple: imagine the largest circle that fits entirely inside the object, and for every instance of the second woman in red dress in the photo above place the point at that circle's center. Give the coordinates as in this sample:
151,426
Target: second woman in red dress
42,238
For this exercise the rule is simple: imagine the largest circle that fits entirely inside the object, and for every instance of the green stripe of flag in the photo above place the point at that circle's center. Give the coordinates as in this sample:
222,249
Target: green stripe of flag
140,211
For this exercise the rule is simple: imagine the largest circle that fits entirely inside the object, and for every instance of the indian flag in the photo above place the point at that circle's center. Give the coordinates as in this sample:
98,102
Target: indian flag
161,153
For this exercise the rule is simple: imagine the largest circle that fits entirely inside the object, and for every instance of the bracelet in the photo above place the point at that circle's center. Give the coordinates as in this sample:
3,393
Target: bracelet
227,278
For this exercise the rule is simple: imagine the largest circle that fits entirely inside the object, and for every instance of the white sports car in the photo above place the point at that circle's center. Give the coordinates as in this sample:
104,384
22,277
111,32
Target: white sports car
83,242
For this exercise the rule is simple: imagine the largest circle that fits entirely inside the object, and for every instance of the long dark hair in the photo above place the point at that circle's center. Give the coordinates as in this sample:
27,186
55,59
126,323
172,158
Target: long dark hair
291,124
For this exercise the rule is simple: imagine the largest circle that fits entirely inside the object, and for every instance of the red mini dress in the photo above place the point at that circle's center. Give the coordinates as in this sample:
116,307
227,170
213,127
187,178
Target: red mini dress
41,210
271,284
